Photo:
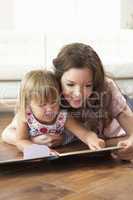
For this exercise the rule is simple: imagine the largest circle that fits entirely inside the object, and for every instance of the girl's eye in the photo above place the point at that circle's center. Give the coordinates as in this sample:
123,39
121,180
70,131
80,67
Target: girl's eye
42,105
54,103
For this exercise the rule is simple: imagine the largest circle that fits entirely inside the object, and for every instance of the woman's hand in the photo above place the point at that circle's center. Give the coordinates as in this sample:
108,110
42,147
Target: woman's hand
51,140
126,151
95,143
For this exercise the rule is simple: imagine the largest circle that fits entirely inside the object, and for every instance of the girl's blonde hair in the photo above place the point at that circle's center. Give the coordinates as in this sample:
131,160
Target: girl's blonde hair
40,86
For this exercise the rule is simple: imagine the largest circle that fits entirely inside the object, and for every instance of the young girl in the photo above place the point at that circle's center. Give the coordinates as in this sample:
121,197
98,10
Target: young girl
39,115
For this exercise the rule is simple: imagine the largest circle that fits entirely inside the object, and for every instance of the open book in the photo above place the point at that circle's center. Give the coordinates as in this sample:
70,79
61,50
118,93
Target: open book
42,152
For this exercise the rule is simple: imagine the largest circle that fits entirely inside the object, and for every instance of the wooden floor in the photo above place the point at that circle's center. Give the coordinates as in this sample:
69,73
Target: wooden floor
74,178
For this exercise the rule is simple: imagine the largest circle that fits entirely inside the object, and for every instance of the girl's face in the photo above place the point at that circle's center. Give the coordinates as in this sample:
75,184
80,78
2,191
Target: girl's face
77,86
45,113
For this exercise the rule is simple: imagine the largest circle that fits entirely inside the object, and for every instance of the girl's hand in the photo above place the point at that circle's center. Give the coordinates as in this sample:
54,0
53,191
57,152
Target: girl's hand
126,151
95,143
51,140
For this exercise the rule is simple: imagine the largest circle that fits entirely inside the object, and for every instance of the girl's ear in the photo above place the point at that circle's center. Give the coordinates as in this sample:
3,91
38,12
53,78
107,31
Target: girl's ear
27,105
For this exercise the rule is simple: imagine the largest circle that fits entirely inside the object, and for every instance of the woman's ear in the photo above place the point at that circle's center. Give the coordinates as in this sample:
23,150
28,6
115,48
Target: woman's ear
55,62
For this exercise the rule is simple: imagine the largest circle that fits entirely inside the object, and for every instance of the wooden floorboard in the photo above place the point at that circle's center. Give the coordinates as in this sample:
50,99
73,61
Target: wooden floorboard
71,178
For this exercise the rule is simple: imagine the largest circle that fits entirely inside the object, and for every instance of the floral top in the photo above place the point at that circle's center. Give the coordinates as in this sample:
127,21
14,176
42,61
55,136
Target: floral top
36,128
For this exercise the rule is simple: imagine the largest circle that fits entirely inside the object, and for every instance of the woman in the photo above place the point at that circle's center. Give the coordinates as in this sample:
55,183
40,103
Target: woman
93,98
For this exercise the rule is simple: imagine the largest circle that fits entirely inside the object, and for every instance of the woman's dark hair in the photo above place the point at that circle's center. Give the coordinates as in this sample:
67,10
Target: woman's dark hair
79,55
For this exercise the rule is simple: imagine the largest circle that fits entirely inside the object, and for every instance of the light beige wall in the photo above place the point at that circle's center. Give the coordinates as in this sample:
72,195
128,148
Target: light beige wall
127,14
7,15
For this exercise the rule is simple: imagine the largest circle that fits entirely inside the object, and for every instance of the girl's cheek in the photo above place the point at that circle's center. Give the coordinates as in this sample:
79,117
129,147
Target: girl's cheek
57,109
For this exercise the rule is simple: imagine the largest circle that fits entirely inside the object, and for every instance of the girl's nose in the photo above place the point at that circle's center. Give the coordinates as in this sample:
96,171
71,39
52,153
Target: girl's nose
48,109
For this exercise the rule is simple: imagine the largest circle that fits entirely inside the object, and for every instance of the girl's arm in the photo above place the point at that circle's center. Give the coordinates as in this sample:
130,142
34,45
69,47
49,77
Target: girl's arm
22,137
50,140
88,137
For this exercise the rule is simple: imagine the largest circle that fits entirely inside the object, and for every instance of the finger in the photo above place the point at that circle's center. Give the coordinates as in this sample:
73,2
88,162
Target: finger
49,138
56,140
94,147
126,149
122,144
55,134
43,136
122,150
38,141
52,142
49,144
123,147
115,156
123,156
56,137
101,143
56,143
46,142
53,153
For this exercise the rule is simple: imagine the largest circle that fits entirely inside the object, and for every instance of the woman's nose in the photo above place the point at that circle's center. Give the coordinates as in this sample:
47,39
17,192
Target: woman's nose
78,92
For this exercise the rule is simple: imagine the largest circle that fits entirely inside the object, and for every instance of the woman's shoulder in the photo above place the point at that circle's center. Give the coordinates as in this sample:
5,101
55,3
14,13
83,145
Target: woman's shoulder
109,81
111,85
118,102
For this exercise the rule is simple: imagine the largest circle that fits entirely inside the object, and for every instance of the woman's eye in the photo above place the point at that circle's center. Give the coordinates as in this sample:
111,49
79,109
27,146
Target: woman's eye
88,86
70,84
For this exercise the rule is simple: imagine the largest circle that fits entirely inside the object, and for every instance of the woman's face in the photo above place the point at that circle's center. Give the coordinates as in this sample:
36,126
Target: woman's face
77,86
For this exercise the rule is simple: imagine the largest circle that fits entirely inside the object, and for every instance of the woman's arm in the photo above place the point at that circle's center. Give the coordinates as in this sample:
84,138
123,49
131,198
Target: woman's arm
125,118
22,137
88,137
123,114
